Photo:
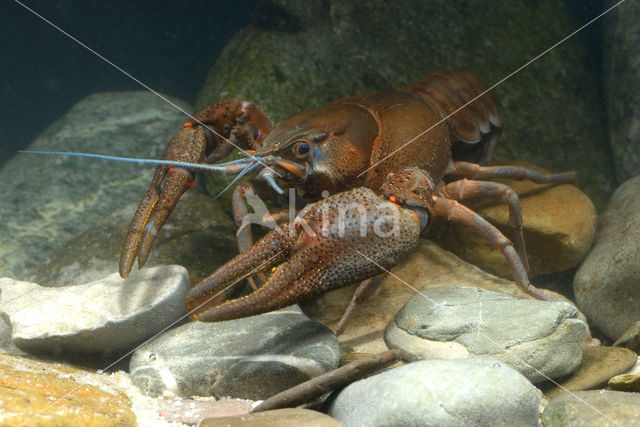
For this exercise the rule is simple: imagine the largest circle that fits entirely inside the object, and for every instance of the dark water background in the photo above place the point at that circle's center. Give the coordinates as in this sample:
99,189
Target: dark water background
167,45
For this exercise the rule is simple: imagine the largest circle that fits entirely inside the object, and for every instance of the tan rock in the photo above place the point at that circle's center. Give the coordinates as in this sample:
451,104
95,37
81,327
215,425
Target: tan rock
428,266
625,382
279,417
53,394
599,364
559,225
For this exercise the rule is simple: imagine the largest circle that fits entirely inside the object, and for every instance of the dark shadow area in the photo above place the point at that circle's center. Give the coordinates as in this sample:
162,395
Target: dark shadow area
169,46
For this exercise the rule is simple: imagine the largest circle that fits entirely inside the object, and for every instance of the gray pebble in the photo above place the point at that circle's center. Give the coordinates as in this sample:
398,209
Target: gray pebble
105,316
469,392
251,358
540,339
607,284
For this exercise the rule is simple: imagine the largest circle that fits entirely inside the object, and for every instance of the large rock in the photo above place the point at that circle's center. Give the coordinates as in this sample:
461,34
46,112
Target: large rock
607,284
52,394
361,47
107,316
199,235
47,200
440,392
559,224
540,339
251,358
621,65
429,266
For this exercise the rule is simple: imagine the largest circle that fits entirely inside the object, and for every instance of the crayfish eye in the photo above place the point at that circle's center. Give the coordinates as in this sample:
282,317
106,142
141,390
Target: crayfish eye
301,149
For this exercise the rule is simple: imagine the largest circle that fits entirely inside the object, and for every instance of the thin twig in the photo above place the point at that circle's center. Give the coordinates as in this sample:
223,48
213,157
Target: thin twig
316,387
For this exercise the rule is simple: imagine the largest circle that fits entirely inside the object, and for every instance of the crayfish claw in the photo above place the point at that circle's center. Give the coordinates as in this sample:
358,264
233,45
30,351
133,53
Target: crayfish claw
168,185
347,237
268,252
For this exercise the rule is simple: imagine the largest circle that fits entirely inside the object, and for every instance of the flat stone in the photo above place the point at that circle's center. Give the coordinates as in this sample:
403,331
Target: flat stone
199,235
39,393
279,417
607,284
540,339
593,408
106,316
47,200
559,224
440,392
429,266
599,364
251,358
625,382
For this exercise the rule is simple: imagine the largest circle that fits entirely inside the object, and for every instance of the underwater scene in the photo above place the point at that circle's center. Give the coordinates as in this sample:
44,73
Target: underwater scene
320,212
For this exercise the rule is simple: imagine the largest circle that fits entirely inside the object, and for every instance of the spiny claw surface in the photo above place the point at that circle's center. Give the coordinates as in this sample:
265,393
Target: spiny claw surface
342,239
169,183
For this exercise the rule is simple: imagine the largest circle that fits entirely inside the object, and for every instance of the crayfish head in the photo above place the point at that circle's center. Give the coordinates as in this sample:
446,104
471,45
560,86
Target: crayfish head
412,189
326,149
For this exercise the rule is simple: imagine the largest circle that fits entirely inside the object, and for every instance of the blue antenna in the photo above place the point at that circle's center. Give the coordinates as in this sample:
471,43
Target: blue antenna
197,166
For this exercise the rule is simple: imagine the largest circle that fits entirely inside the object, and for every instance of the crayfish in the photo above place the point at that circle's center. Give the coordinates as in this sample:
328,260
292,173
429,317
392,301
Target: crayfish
374,169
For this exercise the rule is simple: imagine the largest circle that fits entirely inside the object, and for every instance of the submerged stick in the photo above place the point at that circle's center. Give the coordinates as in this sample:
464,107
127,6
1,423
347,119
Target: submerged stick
316,387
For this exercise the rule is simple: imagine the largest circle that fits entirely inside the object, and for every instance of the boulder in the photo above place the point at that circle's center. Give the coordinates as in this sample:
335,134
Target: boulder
439,392
428,266
607,284
250,358
540,339
48,200
559,224
106,317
